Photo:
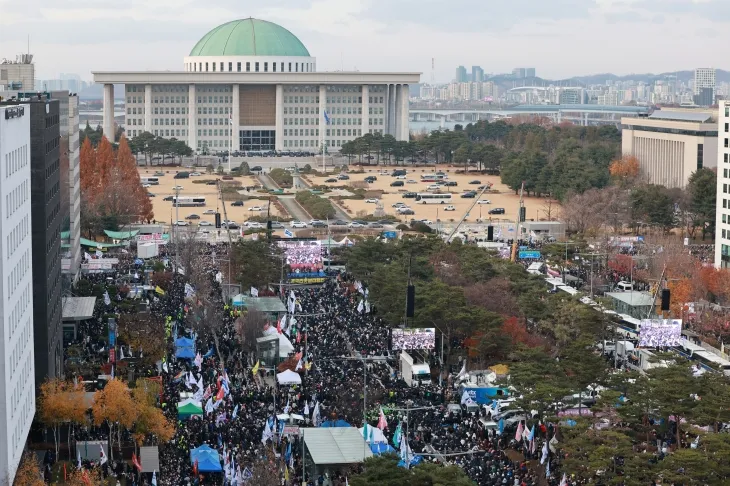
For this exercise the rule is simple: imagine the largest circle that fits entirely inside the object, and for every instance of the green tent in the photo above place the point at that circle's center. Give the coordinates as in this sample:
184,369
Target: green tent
188,408
121,235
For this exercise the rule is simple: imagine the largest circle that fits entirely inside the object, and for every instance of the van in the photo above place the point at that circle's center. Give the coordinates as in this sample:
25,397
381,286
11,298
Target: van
182,175
623,286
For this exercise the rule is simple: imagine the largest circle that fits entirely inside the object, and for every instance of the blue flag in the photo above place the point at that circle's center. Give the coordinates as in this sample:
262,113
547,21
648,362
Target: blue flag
501,426
326,118
397,436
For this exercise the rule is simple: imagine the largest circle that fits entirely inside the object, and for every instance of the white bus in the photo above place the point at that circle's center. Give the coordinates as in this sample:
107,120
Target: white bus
436,198
182,201
433,177
151,180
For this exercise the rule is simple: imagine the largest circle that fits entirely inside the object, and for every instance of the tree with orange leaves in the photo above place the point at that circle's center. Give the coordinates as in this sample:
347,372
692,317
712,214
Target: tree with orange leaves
625,170
111,190
115,406
28,472
151,425
60,402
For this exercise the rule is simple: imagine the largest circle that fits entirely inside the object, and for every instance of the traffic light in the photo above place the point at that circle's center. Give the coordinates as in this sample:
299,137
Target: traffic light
218,220
523,214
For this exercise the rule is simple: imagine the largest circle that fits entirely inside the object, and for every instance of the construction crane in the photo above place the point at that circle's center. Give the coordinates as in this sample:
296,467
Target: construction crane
487,186
513,257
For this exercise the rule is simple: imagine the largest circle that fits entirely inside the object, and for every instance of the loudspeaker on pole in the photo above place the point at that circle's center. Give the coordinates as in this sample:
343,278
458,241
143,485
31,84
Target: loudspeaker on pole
411,301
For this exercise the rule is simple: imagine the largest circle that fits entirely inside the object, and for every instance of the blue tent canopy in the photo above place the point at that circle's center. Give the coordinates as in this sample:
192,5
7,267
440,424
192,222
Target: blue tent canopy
335,423
184,348
208,459
381,448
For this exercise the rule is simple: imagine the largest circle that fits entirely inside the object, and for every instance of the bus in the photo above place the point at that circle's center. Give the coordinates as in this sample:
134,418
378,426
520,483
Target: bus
151,180
182,201
433,177
436,198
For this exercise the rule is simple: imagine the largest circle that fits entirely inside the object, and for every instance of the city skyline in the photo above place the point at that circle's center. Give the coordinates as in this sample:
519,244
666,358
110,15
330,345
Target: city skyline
533,34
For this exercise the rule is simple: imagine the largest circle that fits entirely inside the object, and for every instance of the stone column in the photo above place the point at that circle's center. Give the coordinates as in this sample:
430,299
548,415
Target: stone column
365,109
398,108
236,118
279,117
405,129
391,109
108,125
322,107
148,108
192,117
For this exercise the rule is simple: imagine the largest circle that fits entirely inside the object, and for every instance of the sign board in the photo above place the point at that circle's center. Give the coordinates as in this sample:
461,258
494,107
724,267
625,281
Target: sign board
534,254
686,242
626,239
291,430
15,112
96,266
390,235
152,238
112,355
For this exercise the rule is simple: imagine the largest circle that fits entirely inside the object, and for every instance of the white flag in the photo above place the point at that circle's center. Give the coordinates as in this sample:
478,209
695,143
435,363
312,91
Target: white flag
209,406
463,371
360,307
544,453
299,365
87,256
107,300
98,254
564,481
154,478
306,409
254,292
102,455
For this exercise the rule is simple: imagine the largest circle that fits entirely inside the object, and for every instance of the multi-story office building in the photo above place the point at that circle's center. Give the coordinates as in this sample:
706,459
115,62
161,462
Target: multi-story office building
671,145
461,75
477,74
17,374
252,85
722,216
45,203
18,74
522,73
704,78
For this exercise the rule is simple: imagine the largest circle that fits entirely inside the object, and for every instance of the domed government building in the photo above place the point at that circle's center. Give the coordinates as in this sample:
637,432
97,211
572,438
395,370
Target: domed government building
254,86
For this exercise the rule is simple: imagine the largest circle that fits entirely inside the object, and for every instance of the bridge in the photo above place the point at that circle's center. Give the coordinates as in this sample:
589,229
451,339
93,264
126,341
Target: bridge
582,114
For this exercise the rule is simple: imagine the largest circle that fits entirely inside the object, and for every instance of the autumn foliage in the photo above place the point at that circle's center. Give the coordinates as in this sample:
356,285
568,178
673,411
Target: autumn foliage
625,169
29,472
111,189
60,402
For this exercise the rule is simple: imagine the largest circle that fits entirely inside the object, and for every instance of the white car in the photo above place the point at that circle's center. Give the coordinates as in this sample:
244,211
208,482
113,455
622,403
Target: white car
399,205
403,208
253,224
484,201
228,221
449,208
146,186
205,223
181,223
209,211
177,188
355,224
400,177
195,173
426,221
255,208
410,181
315,222
298,224
371,201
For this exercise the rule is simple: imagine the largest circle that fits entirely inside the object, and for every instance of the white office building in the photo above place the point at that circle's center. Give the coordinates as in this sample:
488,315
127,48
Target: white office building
704,78
252,85
17,374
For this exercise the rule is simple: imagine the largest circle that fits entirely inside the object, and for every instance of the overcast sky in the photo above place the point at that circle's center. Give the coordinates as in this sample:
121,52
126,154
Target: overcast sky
560,38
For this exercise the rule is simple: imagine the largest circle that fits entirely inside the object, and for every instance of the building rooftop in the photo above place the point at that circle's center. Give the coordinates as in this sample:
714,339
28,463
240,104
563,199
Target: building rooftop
249,37
634,299
688,116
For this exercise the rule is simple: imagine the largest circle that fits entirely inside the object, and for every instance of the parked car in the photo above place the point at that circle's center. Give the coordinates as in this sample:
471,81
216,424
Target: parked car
237,203
338,222
256,168
192,216
256,208
370,179
402,177
375,225
331,180
233,226
205,223
181,223
343,177
398,205
253,224
159,173
177,188
182,175
372,200
355,224
168,198
398,172
209,211
450,183
150,194
276,225
211,183
146,186
195,174
410,195
469,195
426,221
410,181
397,184
298,224
406,211
317,224
476,182
449,208
496,211
484,201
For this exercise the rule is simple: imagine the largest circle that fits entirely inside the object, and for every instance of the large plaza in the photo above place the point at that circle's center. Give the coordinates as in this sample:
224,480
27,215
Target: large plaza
252,85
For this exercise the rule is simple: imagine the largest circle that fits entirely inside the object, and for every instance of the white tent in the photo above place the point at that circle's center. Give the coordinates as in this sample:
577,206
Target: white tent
375,435
346,242
288,377
285,346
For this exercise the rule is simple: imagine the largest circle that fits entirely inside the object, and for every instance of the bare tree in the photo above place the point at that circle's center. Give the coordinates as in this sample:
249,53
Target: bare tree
249,327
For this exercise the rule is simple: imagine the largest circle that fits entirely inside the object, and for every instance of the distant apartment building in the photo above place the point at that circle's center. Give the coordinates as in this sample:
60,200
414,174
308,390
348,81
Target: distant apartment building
671,144
461,75
521,73
477,74
704,78
17,365
18,74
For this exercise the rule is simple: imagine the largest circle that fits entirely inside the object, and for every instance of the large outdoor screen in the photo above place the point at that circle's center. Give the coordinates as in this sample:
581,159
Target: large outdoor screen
302,255
424,338
660,332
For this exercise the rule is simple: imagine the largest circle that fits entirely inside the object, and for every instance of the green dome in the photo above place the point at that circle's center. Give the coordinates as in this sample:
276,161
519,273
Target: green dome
249,37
